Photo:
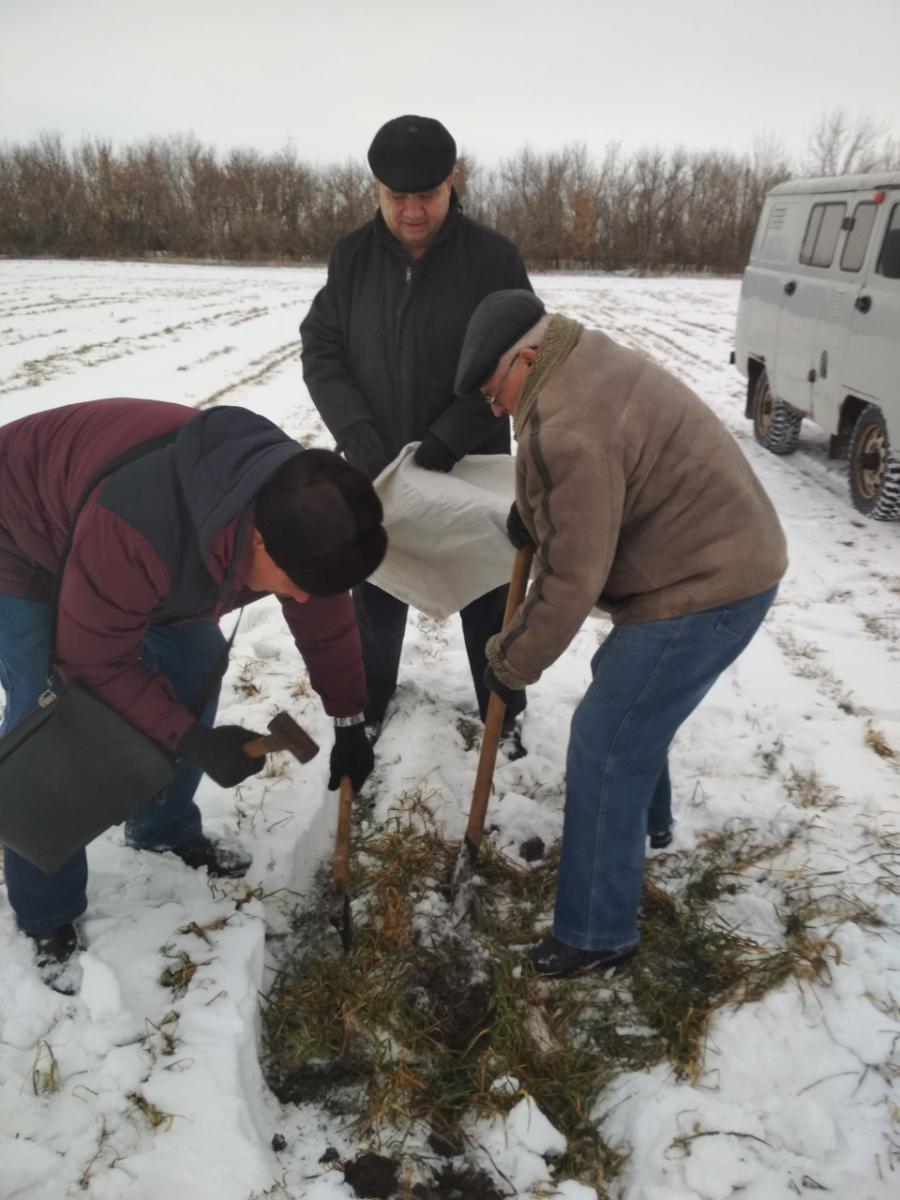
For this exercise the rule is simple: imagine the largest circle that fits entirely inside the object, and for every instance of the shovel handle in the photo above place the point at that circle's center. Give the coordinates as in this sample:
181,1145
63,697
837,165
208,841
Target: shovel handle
493,723
341,861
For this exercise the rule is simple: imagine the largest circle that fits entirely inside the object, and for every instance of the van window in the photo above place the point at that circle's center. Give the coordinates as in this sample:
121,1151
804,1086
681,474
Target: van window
889,257
858,237
774,244
822,232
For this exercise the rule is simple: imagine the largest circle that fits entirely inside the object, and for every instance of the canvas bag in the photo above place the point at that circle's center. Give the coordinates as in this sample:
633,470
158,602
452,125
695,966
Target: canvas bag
447,542
70,769
74,766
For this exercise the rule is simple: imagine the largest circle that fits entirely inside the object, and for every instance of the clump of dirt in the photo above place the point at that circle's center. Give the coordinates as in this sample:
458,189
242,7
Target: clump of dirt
448,1143
334,1084
532,850
372,1176
459,1183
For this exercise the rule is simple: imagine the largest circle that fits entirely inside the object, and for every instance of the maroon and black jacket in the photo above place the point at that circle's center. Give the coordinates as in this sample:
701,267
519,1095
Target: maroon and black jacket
165,538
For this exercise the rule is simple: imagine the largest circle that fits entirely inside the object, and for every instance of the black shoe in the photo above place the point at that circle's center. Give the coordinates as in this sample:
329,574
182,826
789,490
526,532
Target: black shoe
556,960
54,957
511,741
222,857
661,839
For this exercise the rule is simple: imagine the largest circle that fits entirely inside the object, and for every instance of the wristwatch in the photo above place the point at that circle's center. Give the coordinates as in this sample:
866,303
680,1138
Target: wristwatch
343,722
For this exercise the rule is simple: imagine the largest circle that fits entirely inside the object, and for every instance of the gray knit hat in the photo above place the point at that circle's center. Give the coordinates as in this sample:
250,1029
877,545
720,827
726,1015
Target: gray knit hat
496,324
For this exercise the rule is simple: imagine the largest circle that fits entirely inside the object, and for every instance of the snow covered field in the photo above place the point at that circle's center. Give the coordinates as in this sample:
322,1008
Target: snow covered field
134,1090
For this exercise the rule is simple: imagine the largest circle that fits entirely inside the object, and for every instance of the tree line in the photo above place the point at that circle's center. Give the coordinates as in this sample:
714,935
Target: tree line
647,210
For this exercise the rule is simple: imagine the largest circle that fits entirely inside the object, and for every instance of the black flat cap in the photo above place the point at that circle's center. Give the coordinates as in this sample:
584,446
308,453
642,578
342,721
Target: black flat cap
412,154
496,324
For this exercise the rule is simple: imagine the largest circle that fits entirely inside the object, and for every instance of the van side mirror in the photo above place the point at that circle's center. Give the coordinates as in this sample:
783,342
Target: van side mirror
889,263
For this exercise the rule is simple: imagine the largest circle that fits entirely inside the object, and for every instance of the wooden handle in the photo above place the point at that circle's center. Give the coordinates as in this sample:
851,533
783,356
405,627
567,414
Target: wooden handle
341,861
493,724
261,746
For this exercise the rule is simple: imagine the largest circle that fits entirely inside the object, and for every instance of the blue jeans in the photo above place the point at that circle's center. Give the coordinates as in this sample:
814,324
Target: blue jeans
647,679
187,655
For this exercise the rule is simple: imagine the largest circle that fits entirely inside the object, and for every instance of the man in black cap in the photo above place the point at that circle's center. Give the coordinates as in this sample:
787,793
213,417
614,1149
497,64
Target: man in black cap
640,503
380,347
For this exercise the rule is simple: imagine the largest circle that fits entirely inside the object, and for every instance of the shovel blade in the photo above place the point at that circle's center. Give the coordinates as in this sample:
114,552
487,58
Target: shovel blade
462,881
340,917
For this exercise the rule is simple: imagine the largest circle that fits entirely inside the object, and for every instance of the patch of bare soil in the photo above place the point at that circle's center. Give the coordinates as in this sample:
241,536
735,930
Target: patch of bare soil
372,1175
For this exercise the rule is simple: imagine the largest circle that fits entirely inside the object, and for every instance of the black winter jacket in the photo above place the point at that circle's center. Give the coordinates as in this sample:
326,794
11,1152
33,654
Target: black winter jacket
382,338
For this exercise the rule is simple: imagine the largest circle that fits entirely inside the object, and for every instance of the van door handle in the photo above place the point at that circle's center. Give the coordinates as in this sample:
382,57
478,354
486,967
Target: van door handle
790,287
863,303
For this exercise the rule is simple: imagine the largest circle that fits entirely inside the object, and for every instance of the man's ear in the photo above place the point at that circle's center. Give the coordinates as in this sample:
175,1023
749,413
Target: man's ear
257,540
529,353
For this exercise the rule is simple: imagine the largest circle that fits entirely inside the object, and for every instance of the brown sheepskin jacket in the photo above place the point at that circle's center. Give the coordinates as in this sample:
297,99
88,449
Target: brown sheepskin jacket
637,497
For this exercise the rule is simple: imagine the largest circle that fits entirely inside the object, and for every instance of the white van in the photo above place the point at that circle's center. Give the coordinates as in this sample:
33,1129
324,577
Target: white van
818,329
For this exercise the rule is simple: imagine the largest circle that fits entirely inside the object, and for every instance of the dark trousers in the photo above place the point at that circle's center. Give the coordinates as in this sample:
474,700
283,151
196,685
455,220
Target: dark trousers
382,623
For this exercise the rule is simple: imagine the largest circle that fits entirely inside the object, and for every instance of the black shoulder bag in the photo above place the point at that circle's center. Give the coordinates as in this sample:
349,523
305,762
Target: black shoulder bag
74,766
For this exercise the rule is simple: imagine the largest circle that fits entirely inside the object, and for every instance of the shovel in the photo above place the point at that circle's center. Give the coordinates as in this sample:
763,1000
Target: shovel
339,908
460,884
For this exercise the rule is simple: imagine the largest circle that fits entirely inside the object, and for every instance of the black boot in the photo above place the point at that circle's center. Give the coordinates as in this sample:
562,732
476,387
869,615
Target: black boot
222,857
556,960
55,958
511,741
661,838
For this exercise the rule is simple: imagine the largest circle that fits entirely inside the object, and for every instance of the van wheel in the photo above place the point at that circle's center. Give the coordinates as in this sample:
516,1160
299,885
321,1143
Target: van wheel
874,467
775,424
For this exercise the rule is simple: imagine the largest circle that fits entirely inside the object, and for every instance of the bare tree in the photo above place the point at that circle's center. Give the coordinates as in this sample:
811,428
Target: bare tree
845,145
650,210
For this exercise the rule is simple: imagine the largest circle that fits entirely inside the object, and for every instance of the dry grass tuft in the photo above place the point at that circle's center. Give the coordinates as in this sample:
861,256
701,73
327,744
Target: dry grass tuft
876,741
44,1070
416,1027
809,791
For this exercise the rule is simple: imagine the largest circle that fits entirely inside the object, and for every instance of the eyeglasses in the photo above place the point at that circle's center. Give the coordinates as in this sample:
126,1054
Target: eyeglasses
491,397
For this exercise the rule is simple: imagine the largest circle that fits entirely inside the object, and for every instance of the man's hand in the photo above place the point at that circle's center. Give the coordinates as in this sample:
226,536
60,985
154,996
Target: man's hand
220,752
493,684
434,455
351,755
363,448
516,530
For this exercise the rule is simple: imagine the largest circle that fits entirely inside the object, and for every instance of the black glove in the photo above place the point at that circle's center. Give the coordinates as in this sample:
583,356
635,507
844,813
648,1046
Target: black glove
434,455
363,448
515,529
220,752
493,684
352,755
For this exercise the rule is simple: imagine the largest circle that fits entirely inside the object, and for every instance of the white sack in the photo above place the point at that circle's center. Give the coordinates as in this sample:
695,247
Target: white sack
446,532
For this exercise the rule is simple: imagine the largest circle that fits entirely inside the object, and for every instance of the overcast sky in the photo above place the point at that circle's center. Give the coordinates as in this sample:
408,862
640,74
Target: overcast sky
499,73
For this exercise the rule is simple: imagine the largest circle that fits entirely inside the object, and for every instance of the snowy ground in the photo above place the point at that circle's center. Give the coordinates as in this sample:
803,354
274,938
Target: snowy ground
131,1090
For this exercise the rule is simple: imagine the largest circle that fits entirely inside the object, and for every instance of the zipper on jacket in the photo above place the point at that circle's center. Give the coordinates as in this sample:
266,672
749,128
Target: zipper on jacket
398,354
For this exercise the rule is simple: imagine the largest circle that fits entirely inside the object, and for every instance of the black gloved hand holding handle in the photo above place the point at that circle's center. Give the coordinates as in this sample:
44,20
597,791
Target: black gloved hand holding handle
516,529
220,752
352,755
493,684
